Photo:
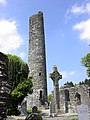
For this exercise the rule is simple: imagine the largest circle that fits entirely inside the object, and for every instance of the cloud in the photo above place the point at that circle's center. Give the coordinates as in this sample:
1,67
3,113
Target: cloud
77,10
66,74
10,39
84,28
83,9
3,2
67,16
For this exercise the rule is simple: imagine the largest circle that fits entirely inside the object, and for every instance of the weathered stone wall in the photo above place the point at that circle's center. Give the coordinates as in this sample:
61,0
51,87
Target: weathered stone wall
4,87
70,97
37,60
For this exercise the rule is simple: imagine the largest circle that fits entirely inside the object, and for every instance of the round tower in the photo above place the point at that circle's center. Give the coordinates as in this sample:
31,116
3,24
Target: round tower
37,60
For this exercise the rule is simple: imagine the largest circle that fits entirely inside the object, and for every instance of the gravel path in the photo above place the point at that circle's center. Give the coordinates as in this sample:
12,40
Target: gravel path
56,118
10,118
61,118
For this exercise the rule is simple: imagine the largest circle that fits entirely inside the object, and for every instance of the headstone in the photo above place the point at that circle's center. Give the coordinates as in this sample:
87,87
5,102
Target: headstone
34,109
52,109
24,107
34,115
83,113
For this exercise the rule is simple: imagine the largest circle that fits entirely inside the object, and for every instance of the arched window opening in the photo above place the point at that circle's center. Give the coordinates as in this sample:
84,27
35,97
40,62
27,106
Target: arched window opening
78,98
67,98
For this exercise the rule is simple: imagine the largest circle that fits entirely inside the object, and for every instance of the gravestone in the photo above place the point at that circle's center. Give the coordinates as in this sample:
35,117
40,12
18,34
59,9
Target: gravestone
24,107
83,113
34,115
52,109
34,109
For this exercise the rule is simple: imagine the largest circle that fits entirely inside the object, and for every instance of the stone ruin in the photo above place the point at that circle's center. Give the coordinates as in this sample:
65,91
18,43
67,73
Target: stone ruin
69,97
66,98
4,87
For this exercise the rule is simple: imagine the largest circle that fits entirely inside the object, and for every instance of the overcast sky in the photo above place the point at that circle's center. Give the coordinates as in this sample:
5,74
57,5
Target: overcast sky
67,33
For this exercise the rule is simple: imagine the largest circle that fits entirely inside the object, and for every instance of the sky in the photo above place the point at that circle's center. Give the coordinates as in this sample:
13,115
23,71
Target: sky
67,34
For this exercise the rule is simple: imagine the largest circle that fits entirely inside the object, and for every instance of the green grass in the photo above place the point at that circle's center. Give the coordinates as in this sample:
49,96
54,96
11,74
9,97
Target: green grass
74,118
30,111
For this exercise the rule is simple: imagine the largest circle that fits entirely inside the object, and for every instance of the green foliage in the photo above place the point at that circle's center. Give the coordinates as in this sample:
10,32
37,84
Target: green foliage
17,70
70,84
22,89
86,62
85,82
74,119
13,111
19,81
50,97
30,111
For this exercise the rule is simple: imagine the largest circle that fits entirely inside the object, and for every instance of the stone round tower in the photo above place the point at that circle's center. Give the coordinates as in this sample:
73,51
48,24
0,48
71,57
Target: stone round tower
37,60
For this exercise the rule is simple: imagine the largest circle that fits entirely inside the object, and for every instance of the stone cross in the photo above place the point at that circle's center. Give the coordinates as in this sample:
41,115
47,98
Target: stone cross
55,76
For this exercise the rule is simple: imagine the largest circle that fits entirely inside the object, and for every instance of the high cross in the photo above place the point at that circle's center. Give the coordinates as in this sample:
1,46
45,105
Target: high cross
55,76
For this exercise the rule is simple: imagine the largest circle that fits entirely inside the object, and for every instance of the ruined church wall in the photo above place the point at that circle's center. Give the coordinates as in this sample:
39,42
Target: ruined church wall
68,104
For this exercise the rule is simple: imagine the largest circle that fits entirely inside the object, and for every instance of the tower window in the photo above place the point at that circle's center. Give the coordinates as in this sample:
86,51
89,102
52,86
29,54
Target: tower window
40,94
40,74
78,98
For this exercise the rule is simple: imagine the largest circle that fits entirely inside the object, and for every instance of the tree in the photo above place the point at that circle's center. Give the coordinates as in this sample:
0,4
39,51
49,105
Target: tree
19,93
85,82
86,62
50,96
70,84
19,81
17,70
22,89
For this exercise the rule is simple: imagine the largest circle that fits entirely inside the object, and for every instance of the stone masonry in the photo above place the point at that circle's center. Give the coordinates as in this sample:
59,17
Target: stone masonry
4,87
55,76
67,98
37,61
71,97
